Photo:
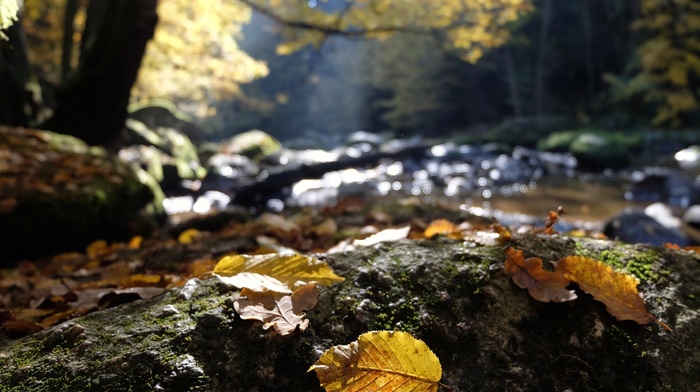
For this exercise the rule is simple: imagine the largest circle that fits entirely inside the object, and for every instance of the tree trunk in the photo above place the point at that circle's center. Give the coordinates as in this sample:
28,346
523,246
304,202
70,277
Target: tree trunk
541,56
15,71
588,52
512,82
68,31
92,105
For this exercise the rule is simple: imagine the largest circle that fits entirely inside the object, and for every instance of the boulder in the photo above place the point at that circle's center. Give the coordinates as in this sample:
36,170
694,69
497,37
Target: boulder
58,194
165,153
636,226
163,113
597,152
489,334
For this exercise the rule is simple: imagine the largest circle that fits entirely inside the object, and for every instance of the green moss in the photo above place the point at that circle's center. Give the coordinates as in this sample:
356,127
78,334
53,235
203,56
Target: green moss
639,264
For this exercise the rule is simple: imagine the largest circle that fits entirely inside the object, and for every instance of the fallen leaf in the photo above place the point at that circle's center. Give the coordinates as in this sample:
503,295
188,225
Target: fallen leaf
384,235
19,328
542,285
440,227
278,222
135,242
616,290
97,248
187,236
379,361
282,311
274,272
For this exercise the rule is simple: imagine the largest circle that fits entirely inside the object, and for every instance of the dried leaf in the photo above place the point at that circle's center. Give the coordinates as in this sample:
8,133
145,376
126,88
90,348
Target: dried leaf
616,290
384,235
441,227
379,361
280,272
542,285
282,311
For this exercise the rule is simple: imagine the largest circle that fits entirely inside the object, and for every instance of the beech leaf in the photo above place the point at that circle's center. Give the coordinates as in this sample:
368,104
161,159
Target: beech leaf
274,272
282,311
616,290
379,361
542,285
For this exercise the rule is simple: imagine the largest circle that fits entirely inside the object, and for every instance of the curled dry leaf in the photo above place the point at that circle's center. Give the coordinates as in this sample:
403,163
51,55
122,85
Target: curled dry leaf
282,311
542,285
384,235
616,290
274,272
380,361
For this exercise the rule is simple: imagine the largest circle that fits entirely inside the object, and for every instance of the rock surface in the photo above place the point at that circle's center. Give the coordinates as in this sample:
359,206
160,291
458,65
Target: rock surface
59,194
489,334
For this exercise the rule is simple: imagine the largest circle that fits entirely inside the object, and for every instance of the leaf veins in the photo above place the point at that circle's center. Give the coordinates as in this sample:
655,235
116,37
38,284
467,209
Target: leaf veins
380,361
542,285
616,290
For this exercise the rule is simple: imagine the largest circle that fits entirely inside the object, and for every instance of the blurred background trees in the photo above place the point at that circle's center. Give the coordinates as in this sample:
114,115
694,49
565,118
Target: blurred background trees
331,67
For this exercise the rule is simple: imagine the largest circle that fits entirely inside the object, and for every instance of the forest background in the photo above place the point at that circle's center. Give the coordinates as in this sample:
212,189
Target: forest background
328,68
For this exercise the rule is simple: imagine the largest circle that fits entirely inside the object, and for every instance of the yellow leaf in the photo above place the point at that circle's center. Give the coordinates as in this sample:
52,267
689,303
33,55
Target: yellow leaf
135,242
379,361
440,227
616,290
274,272
97,248
187,236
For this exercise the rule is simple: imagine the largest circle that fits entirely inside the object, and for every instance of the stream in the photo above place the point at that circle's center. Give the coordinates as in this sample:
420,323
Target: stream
517,187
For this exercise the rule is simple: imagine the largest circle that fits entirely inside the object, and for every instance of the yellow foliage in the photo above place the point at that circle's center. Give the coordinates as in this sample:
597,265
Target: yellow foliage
194,57
472,26
380,361
669,61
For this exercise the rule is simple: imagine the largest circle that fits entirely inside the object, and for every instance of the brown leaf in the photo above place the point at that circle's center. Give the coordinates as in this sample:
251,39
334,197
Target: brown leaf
283,311
616,290
542,285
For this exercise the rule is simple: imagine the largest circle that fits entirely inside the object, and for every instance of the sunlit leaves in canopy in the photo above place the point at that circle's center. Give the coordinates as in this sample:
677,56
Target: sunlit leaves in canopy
667,62
43,21
468,26
8,14
380,361
194,58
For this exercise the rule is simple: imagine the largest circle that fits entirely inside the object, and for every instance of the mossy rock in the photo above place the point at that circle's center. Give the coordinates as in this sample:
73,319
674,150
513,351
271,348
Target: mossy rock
167,154
526,131
58,194
489,334
558,141
598,151
157,113
254,144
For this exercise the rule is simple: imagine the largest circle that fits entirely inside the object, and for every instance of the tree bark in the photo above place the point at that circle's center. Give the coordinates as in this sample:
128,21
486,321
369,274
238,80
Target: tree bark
15,72
92,105
541,57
